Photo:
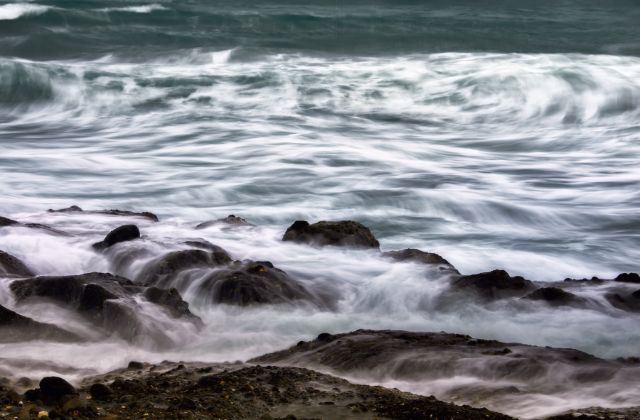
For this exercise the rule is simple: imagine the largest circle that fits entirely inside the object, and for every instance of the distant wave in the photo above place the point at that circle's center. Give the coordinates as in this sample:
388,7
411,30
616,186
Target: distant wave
148,8
14,11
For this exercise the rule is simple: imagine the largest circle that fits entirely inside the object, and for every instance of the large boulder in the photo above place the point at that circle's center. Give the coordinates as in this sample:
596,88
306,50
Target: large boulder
253,282
494,284
120,234
229,221
162,271
16,328
109,302
421,257
342,233
112,212
12,266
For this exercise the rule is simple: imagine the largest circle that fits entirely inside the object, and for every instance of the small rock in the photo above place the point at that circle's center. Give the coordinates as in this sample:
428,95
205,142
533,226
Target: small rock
100,392
133,365
119,234
628,278
341,233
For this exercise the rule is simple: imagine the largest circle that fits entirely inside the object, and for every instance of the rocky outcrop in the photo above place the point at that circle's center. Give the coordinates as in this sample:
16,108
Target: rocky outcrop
555,296
421,257
16,328
251,283
229,221
120,234
496,284
106,300
12,266
628,278
163,270
112,212
342,233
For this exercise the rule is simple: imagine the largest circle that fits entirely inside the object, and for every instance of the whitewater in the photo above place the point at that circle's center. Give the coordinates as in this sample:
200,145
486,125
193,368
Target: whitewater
522,155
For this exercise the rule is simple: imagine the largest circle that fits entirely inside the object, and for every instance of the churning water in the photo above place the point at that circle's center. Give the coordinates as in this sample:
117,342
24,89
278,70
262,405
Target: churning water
503,135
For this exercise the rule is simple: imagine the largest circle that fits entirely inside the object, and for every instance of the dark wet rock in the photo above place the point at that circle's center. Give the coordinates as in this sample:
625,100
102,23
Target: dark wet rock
592,280
628,278
422,257
555,296
12,266
112,212
104,299
253,282
324,337
240,391
342,233
599,413
135,365
100,392
15,328
625,301
161,271
171,300
406,356
231,220
120,234
496,284
7,222
4,222
53,389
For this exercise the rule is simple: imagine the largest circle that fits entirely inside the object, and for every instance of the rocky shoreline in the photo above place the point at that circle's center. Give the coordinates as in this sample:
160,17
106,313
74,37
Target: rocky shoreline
138,308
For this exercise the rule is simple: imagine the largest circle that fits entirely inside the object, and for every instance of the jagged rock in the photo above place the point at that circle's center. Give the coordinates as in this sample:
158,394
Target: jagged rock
494,284
418,256
555,296
162,270
342,233
253,282
628,278
10,265
15,328
120,234
230,220
112,212
53,388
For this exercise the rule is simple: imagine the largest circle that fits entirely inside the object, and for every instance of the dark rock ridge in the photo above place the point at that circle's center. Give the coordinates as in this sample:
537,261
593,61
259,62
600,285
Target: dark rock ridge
5,222
496,284
112,212
106,300
418,256
253,282
625,301
163,270
628,278
556,297
234,391
341,233
406,356
230,220
120,234
16,328
12,266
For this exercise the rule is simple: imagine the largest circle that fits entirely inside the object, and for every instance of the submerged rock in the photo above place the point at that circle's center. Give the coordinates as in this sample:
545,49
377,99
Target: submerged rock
231,220
112,212
422,257
342,233
253,282
625,301
120,234
16,328
12,266
5,222
555,296
496,284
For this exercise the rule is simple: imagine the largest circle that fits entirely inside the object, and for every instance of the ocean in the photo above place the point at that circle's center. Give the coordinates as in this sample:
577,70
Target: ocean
497,133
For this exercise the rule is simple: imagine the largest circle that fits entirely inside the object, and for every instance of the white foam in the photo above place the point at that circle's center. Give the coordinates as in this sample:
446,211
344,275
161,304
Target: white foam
14,11
147,8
